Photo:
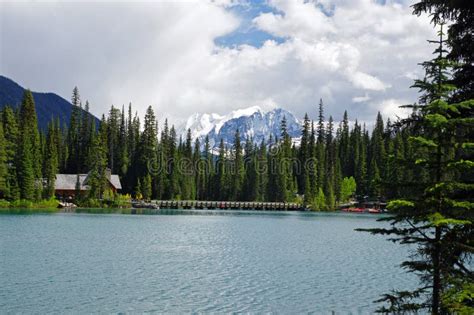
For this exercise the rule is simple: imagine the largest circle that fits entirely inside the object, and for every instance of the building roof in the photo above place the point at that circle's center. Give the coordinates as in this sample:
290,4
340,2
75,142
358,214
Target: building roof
115,181
69,181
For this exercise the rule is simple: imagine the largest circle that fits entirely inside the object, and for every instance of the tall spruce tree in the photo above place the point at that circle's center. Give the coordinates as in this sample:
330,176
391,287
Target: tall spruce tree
29,150
437,214
51,163
10,131
262,172
147,149
220,184
237,172
320,148
250,181
460,16
3,165
73,134
208,169
97,177
304,155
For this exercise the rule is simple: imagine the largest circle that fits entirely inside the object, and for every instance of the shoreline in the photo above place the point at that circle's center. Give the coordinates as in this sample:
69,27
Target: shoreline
164,211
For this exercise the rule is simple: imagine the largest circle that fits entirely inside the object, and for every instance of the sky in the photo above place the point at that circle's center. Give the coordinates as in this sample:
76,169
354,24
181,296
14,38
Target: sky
183,57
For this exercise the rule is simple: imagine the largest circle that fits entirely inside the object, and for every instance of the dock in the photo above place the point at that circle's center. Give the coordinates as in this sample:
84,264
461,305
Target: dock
219,205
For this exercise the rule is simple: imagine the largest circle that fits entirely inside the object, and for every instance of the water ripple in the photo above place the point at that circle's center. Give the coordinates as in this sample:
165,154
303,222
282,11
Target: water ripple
202,262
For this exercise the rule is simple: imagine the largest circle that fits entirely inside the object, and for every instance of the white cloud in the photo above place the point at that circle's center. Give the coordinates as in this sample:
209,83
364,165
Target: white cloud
301,20
391,108
361,99
164,54
366,81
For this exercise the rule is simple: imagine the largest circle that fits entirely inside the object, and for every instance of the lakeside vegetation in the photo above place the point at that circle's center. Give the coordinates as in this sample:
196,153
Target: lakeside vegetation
423,164
45,204
435,213
329,166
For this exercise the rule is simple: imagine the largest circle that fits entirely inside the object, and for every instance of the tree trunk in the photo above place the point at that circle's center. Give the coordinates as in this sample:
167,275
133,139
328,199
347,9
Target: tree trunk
435,305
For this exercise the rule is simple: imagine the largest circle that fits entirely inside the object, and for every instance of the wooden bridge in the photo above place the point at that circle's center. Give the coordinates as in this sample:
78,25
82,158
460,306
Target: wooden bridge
222,205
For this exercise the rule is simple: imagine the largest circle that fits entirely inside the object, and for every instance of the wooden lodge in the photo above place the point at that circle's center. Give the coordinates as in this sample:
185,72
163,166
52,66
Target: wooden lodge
67,185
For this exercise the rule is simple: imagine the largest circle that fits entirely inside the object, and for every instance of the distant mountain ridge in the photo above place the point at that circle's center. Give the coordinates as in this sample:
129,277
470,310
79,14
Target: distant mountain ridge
251,122
48,105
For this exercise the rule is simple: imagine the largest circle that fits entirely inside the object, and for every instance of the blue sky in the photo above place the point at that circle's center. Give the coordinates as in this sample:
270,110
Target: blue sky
220,55
247,33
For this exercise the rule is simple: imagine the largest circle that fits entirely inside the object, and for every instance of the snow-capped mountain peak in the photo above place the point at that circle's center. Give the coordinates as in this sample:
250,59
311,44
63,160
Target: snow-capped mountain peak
252,122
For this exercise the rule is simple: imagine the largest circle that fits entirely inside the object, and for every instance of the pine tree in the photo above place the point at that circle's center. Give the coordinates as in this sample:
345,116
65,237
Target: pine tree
311,166
73,135
51,163
220,184
208,170
377,156
375,180
237,168
114,147
147,152
97,177
10,131
262,173
86,134
187,169
321,133
330,160
123,146
146,188
344,146
173,171
437,213
460,28
29,157
304,154
199,167
250,183
3,165
320,148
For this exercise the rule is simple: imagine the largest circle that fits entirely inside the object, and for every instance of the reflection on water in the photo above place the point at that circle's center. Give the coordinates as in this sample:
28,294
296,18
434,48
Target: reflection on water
196,261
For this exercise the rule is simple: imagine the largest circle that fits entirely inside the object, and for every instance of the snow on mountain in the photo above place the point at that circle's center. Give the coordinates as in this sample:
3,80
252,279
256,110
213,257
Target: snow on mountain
251,122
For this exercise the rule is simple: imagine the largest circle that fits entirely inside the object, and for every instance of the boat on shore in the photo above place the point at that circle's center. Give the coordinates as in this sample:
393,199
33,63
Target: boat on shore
364,205
362,210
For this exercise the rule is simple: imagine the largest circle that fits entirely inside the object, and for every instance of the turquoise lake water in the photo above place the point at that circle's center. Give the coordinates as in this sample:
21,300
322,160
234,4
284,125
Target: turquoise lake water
196,261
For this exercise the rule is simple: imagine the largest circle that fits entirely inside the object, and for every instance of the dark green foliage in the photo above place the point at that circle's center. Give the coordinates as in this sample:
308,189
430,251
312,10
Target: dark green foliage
237,168
73,135
436,212
170,168
28,154
48,105
3,165
97,178
51,162
10,131
460,15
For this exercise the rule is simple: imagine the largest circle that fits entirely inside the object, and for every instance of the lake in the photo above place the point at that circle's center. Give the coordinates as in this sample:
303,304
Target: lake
196,261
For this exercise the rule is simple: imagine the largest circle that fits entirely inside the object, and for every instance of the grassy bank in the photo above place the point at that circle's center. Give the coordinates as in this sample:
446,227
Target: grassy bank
20,206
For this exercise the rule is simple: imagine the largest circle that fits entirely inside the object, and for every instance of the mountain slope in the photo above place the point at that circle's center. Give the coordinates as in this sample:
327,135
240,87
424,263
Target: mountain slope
252,122
48,105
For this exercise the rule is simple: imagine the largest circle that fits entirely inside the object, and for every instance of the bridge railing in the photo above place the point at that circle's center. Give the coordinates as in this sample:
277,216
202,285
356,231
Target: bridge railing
227,205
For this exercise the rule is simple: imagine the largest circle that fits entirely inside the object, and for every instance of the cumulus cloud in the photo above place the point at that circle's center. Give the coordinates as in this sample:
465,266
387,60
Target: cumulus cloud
165,55
391,108
360,99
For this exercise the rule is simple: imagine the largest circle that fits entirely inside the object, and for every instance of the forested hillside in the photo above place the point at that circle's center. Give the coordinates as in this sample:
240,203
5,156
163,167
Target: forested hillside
48,105
332,163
